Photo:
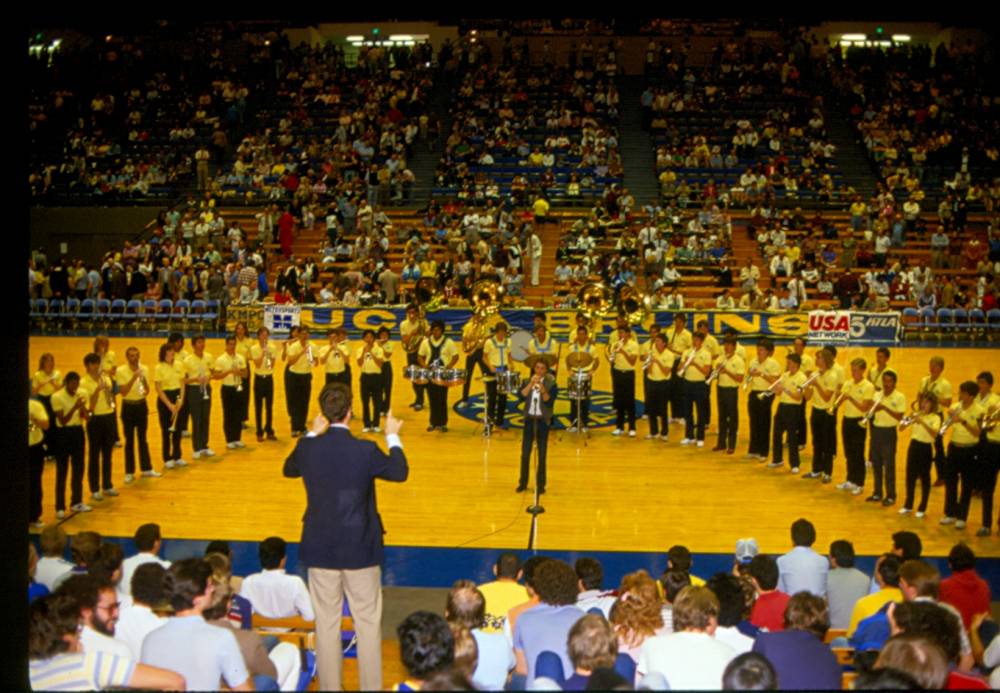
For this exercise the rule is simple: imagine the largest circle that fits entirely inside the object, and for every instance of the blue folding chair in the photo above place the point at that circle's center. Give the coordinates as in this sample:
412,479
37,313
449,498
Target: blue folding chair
197,313
212,313
103,312
117,312
39,309
71,315
56,308
993,321
165,312
911,321
179,315
88,310
961,321
945,320
977,322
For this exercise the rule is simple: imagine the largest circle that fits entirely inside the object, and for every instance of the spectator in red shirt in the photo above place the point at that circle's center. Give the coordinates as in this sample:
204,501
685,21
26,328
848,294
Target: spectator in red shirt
769,609
965,590
286,233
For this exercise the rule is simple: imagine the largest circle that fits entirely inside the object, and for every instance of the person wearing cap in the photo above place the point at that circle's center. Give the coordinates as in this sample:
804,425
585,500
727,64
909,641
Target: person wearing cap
746,549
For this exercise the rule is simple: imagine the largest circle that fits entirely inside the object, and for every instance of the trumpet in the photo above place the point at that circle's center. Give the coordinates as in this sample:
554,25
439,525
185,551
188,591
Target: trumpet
204,386
809,381
239,383
612,351
268,361
32,426
769,392
990,420
142,387
687,363
647,361
837,400
716,372
747,379
908,419
953,414
173,418
309,356
109,396
870,414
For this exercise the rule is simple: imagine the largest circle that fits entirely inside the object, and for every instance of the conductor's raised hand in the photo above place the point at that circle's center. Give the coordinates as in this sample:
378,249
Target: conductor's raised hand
392,424
319,425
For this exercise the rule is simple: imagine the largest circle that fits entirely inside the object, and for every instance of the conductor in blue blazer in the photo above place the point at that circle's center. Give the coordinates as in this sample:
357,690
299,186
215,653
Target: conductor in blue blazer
342,544
539,394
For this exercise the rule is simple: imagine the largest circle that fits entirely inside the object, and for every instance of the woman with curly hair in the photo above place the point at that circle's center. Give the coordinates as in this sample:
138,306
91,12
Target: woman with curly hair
637,614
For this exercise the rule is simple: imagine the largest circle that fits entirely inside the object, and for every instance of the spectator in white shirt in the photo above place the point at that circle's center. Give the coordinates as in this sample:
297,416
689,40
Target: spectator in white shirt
272,592
99,605
137,620
781,266
733,608
725,301
148,541
52,565
690,657
590,574
749,275
466,608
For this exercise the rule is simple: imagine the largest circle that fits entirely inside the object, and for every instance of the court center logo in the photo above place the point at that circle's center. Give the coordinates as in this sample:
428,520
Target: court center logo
602,413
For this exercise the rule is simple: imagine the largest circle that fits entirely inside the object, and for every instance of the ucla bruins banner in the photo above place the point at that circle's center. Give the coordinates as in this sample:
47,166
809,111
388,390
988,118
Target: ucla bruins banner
874,328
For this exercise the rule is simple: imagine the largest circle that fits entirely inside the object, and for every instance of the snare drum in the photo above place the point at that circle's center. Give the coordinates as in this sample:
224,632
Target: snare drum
508,382
578,385
448,377
418,375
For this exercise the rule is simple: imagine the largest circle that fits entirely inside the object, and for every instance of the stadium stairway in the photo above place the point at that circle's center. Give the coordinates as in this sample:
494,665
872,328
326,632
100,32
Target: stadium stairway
543,294
851,156
425,158
638,158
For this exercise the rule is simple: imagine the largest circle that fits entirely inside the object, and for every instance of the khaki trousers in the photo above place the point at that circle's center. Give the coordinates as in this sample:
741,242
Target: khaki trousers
364,594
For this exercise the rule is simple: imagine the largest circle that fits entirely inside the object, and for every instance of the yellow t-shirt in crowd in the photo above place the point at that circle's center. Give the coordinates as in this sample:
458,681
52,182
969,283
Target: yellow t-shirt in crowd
36,412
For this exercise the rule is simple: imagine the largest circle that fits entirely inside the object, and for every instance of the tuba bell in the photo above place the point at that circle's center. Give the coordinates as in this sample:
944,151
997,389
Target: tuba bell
633,305
428,295
595,301
486,297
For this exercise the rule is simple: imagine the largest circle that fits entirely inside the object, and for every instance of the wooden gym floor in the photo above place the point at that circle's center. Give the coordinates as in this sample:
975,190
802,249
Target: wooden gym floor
604,494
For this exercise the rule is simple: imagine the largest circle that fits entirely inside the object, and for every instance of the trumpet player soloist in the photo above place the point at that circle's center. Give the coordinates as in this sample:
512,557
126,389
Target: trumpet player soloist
133,385
300,360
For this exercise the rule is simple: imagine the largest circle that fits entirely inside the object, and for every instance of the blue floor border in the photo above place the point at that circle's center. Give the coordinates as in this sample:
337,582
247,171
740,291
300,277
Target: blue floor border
420,566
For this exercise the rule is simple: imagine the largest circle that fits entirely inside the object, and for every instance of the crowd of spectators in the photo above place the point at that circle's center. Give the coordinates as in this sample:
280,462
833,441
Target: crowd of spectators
795,621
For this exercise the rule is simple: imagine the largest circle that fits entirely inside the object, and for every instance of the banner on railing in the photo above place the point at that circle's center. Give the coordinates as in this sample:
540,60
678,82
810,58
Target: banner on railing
282,318
880,328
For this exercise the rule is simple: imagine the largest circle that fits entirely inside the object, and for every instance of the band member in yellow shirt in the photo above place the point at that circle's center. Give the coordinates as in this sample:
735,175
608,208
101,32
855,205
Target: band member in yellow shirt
498,360
300,357
244,342
198,393
644,349
712,344
176,342
438,350
936,382
696,364
622,355
764,370
336,358
788,392
989,447
543,343
133,384
732,371
44,383
264,356
926,423
38,423
963,422
582,345
369,358
169,383
232,369
97,387
823,419
658,368
70,408
385,385
889,410
412,332
678,341
807,368
856,394
109,364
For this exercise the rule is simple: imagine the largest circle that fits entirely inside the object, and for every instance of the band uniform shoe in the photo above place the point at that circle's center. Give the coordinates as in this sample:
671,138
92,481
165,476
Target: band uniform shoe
60,514
886,502
271,436
775,465
38,524
687,441
701,443
905,511
169,464
443,429
750,456
631,434
960,524
718,448
811,475
129,478
377,429
418,407
827,479
795,470
366,429
260,438
521,488
983,532
207,452
430,428
110,492
856,490
651,436
946,520
616,432
572,429
232,446
180,463
118,443
939,482
97,496
541,491
919,514
151,474
185,434
845,486
81,508
730,451
874,498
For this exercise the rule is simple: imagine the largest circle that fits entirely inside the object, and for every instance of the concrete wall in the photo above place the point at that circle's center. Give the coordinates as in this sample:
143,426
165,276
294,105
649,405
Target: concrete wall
86,232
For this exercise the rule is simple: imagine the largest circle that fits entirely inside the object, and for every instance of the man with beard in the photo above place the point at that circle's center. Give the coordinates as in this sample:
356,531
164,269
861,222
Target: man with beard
99,605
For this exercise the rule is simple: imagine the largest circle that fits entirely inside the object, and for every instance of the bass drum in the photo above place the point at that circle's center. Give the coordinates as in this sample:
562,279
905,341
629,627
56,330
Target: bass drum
578,385
519,341
508,382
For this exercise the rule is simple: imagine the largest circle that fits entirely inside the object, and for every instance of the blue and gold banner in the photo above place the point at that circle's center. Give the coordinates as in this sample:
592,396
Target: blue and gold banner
874,328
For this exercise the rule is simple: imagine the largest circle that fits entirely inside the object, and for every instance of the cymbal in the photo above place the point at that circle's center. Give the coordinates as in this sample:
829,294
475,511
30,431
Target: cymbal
549,359
579,360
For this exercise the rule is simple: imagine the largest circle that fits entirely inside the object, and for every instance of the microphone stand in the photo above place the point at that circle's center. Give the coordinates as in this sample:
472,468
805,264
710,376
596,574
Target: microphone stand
536,509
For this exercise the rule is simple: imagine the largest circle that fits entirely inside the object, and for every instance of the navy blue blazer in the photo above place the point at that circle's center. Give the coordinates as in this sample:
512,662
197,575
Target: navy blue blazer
341,528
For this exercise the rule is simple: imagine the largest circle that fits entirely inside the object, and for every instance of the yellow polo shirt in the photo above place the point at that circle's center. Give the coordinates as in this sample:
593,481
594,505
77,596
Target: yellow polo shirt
335,357
791,382
46,383
920,434
770,367
36,412
960,435
226,363
702,357
862,391
630,347
940,387
302,366
123,374
369,366
896,403
88,386
257,352
734,364
828,381
167,376
661,364
448,351
62,402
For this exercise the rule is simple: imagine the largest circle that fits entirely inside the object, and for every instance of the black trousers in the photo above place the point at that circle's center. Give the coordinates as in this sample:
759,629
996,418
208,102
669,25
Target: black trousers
657,394
101,439
676,396
183,415
696,401
371,398
36,465
729,415
824,429
496,404
759,413
883,457
232,413
854,449
245,399
70,446
343,377
536,430
786,421
803,428
201,412
960,468
623,389
939,456
170,443
48,434
263,403
438,396
135,423
989,465
919,458
300,391
385,387
418,390
471,361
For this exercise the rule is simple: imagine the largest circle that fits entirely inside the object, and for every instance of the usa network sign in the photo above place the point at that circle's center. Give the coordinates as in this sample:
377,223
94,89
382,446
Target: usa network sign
845,325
